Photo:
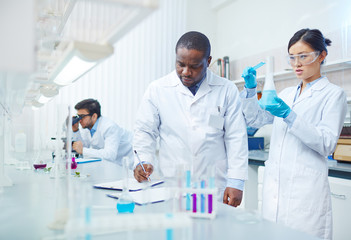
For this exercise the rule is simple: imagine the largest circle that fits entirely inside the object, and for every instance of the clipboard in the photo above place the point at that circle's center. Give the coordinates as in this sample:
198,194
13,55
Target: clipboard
133,184
151,195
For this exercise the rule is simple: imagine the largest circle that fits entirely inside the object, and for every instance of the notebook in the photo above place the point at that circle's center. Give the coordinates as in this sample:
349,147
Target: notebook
151,195
133,184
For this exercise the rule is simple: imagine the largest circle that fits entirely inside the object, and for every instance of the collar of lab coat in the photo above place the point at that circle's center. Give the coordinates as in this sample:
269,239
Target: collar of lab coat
205,87
318,86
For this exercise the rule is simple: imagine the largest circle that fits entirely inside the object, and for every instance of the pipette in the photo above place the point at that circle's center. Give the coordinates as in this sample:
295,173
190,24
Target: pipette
259,65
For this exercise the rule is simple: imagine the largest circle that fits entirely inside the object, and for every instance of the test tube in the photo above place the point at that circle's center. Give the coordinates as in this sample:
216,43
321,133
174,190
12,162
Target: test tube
210,196
169,231
203,197
188,185
194,200
87,222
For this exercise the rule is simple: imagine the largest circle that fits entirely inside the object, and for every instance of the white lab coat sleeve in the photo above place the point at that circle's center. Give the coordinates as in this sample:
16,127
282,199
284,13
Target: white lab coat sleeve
112,139
146,128
235,137
254,115
323,137
76,136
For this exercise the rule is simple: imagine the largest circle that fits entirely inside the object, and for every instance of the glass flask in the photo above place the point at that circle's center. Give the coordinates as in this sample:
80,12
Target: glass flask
125,203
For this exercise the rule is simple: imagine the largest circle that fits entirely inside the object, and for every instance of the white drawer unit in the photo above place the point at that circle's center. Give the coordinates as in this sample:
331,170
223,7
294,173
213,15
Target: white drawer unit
341,202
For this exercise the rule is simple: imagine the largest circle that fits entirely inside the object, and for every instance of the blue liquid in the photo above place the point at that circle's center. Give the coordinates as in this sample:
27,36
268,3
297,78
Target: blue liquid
267,97
188,184
169,231
125,206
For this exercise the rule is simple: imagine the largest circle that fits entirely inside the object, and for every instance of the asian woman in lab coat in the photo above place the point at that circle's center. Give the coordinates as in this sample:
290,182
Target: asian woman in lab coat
307,120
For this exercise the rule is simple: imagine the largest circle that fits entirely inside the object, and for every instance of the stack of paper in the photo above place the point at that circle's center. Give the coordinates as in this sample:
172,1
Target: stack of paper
150,195
133,185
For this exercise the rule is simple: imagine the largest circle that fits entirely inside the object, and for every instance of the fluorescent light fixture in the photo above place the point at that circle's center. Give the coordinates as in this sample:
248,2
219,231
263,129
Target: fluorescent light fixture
79,58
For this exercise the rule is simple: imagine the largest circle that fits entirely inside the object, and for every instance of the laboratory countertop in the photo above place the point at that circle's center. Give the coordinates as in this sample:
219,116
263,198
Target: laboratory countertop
29,206
336,169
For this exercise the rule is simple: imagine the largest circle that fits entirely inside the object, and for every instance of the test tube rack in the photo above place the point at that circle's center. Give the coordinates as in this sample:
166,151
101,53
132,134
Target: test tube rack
199,202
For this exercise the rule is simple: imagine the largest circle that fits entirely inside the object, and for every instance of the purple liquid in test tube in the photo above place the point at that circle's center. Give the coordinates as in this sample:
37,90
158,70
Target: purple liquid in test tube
210,203
210,196
194,202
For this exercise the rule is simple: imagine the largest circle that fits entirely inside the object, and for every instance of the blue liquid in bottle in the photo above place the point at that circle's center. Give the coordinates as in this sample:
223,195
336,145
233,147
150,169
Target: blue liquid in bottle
125,202
267,97
125,206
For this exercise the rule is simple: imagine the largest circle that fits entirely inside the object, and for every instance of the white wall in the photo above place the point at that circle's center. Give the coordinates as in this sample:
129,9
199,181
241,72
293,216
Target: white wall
238,29
248,27
141,56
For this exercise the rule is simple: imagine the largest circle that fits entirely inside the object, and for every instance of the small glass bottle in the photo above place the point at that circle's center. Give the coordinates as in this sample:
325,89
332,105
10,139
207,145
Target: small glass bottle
125,202
74,163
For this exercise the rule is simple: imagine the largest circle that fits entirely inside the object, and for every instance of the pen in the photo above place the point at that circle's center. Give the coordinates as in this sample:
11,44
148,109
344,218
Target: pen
141,164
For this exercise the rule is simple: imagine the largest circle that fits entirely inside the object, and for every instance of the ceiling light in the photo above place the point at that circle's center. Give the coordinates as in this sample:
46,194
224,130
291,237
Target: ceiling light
37,104
43,99
79,58
49,90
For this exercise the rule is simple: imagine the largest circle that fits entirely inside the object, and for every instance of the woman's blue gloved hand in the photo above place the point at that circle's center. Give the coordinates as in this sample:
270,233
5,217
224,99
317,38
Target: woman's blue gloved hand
249,75
278,107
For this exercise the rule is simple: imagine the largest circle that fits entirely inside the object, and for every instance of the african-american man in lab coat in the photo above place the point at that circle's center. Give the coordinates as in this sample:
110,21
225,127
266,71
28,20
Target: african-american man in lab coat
197,117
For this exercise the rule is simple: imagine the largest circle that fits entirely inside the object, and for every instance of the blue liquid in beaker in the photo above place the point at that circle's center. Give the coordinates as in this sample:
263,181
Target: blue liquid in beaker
125,206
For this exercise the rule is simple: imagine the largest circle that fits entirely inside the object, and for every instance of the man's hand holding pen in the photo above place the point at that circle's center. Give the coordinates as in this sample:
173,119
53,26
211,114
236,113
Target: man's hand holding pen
139,173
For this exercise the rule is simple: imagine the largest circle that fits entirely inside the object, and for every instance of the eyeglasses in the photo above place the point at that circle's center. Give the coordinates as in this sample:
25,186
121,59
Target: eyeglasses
303,58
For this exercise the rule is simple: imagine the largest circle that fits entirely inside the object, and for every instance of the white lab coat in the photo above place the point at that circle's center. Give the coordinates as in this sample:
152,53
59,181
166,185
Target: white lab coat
181,121
296,189
109,142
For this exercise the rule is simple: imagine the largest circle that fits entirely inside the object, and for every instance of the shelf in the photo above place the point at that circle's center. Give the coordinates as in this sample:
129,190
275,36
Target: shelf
286,75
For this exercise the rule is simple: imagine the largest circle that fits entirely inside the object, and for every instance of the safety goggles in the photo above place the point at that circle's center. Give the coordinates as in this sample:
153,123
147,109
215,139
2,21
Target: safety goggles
81,116
303,58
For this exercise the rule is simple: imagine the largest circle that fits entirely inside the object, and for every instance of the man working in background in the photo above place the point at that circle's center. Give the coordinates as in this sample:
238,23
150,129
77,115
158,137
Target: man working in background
100,136
197,117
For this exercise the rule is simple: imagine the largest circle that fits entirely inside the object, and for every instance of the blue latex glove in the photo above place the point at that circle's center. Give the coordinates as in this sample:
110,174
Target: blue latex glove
249,75
278,107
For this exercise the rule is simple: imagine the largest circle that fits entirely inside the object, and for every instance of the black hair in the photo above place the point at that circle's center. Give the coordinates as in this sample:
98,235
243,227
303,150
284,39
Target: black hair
195,40
92,105
313,37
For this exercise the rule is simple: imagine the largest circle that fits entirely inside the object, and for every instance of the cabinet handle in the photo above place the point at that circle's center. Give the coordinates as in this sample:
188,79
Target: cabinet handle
340,196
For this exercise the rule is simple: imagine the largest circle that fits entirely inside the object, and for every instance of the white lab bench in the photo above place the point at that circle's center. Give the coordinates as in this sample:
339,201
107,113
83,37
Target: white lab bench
28,207
340,185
